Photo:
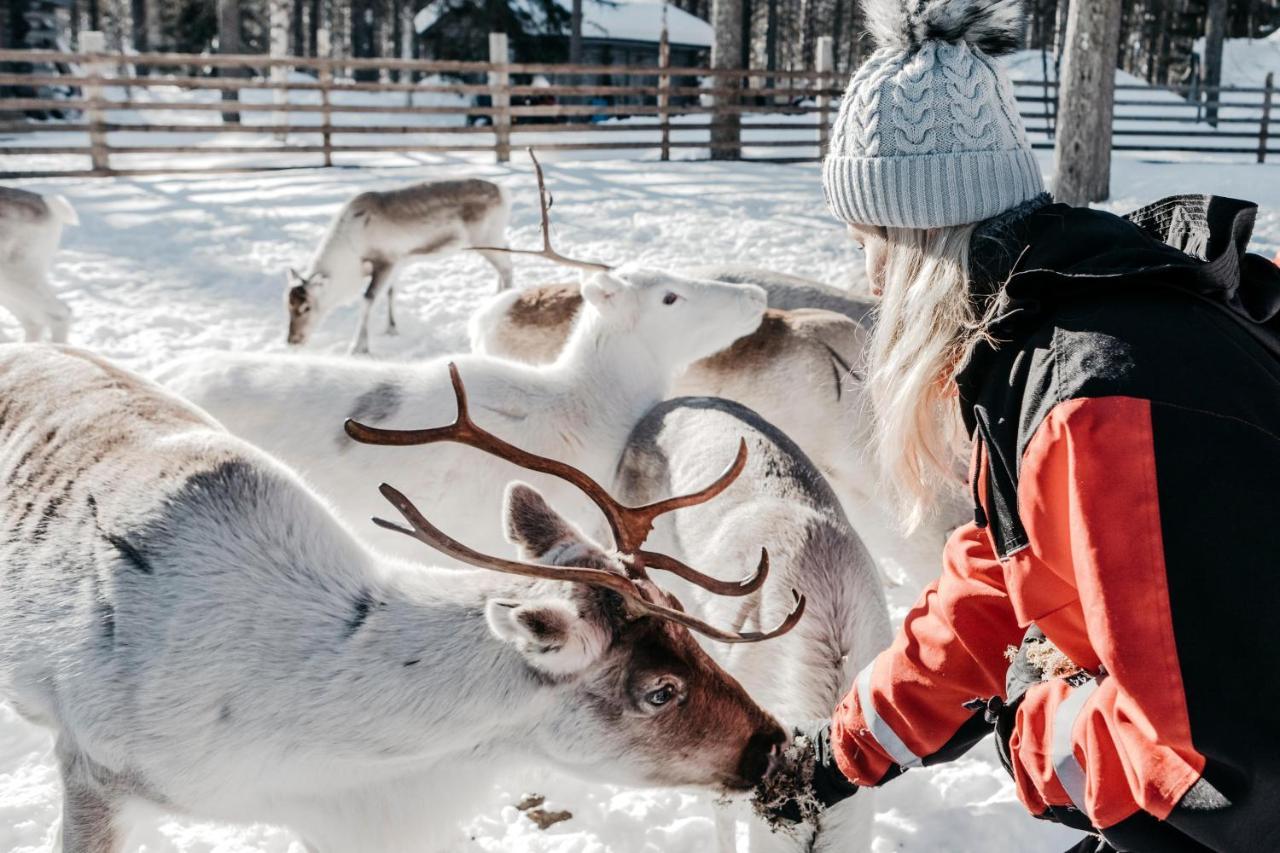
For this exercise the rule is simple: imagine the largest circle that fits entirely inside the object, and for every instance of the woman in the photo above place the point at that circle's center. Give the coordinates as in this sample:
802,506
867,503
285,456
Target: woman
1114,385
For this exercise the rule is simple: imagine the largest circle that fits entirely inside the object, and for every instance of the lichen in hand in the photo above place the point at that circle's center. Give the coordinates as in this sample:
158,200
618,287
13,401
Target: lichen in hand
785,798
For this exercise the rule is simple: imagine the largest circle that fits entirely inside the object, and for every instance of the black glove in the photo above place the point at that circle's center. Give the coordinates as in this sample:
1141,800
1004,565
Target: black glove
814,779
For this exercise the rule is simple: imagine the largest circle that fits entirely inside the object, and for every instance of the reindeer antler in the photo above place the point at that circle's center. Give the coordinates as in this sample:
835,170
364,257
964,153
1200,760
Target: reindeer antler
544,202
630,525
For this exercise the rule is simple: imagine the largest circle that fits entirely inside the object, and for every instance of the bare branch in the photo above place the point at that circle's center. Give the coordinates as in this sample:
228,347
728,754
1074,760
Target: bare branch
547,251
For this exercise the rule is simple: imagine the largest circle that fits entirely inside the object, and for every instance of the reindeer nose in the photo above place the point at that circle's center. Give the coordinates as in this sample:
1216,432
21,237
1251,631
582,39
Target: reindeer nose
777,759
763,753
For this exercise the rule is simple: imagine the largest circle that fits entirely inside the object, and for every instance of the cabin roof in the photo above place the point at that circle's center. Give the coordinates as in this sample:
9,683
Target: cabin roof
621,20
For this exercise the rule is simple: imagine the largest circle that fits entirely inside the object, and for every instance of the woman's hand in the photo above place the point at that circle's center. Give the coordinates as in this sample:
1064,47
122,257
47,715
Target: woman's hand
807,782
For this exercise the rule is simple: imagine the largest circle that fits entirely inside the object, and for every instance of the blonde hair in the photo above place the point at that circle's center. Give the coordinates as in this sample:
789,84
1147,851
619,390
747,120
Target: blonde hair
927,323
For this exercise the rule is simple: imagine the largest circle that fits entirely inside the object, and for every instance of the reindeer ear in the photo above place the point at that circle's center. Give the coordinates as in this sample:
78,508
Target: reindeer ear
603,291
536,528
295,277
550,633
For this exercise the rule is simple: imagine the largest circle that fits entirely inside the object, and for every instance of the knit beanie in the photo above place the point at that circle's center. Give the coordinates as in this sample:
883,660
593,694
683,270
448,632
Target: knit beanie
928,132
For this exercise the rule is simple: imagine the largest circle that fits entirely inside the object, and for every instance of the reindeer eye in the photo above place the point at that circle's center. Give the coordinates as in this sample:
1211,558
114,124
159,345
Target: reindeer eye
661,696
670,298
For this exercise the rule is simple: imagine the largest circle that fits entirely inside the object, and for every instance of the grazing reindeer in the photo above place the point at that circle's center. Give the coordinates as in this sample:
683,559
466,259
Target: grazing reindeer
378,232
30,230
200,633
639,330
812,549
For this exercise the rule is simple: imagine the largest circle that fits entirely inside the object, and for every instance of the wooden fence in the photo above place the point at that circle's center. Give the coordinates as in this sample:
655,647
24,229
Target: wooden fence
116,110
1195,119
107,104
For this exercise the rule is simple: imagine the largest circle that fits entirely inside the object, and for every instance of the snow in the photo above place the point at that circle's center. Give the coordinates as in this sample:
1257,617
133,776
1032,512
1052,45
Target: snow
167,265
1247,62
624,20
633,21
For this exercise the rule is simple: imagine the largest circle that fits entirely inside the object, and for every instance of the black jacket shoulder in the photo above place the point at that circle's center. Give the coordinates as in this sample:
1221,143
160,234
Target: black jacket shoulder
1134,318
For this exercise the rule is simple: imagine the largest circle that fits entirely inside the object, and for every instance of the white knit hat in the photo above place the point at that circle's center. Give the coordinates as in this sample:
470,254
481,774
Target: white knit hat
928,132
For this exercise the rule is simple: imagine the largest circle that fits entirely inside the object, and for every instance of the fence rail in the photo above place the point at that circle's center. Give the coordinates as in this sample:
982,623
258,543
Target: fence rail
121,115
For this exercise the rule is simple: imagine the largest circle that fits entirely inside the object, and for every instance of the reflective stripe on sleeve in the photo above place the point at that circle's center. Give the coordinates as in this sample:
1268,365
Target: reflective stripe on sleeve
880,729
1070,773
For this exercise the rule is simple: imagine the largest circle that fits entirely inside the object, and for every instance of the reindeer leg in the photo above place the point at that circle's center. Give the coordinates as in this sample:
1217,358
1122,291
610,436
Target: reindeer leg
89,813
377,283
502,263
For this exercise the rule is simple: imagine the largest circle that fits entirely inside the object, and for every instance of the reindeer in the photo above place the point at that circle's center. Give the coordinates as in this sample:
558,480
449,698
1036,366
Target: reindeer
376,233
639,329
789,292
200,633
801,370
30,231
782,499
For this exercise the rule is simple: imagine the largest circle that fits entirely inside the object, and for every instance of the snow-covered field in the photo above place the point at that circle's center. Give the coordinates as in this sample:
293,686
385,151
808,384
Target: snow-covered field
167,265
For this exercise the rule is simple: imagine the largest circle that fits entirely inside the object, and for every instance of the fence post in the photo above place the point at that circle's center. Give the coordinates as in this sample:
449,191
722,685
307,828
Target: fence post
500,95
96,42
826,61
1264,127
664,87
325,79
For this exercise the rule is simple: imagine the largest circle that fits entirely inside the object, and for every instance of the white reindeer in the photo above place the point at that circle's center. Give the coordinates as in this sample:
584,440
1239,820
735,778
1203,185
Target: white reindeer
201,633
30,231
788,292
801,370
638,330
376,233
812,548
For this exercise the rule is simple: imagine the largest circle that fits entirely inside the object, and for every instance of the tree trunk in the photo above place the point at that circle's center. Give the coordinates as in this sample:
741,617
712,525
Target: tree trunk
138,31
278,46
771,40
397,38
298,28
1082,150
726,51
229,42
1060,28
575,33
278,27
364,37
837,30
1215,30
313,34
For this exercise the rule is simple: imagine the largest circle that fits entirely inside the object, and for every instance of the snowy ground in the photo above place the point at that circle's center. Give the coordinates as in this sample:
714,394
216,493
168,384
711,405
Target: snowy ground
166,265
